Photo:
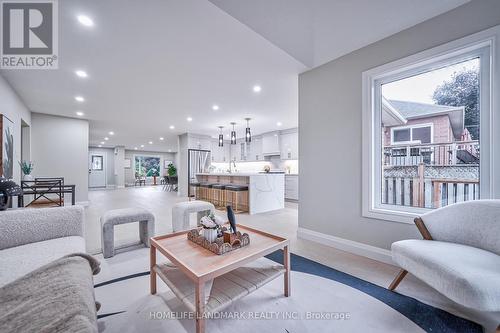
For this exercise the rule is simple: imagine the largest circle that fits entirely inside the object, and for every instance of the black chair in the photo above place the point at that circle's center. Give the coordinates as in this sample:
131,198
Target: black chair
173,182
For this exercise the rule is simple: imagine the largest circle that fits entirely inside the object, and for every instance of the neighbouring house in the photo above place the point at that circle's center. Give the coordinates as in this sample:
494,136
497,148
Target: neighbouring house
430,158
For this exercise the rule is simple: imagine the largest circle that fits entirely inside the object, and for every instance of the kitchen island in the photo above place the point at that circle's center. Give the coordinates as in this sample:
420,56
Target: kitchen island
266,191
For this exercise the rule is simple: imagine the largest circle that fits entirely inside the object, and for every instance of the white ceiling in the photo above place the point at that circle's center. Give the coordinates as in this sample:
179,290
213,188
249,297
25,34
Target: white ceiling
152,64
317,31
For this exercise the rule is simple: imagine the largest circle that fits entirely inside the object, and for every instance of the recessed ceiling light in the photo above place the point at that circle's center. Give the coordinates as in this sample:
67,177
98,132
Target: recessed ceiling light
79,99
102,142
170,150
161,139
150,142
81,73
111,133
189,119
279,123
142,146
106,138
135,148
99,146
257,89
172,127
80,113
215,107
85,20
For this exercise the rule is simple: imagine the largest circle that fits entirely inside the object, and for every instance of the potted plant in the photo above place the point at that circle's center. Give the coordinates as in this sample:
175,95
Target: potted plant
171,170
26,168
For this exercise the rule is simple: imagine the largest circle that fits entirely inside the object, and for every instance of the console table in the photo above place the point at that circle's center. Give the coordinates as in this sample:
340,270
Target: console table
40,188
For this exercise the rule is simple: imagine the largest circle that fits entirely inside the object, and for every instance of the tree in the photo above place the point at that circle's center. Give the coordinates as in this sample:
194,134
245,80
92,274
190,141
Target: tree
462,90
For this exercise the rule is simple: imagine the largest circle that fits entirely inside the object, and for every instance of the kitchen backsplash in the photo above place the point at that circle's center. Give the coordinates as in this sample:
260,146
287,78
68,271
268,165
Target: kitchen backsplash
289,166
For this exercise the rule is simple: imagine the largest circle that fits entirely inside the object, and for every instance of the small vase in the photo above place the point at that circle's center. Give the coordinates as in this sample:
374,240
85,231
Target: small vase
28,177
210,234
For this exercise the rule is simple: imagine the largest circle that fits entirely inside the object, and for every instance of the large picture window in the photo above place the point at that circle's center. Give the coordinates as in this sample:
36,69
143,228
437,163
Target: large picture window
428,121
147,166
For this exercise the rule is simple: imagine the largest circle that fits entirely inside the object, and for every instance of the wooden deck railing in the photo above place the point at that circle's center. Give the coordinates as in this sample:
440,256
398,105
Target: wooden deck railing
461,152
425,192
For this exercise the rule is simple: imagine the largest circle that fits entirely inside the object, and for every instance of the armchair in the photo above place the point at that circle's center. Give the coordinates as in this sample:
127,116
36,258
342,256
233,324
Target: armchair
459,255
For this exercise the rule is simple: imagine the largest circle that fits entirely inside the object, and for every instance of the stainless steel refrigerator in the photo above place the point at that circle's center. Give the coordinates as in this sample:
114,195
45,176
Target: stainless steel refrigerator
198,162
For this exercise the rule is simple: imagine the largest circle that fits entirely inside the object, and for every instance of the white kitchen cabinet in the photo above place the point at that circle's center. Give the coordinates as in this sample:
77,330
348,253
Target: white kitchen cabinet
235,152
292,187
219,154
289,146
271,144
254,149
200,143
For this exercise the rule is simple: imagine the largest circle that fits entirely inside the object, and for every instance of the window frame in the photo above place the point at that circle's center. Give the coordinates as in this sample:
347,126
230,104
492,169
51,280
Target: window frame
483,45
146,155
411,127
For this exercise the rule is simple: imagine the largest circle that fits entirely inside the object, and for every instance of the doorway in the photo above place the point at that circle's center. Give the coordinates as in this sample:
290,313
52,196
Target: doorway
97,169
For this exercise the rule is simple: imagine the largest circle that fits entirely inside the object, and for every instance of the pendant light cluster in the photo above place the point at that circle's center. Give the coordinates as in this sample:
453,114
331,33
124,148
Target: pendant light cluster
248,134
233,134
221,137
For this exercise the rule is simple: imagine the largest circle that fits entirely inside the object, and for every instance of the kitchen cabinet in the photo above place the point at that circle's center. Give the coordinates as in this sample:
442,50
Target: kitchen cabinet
200,143
271,144
219,154
292,187
289,146
254,149
235,152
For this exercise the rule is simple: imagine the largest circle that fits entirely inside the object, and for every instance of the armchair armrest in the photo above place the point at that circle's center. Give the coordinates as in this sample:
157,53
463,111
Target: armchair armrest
23,226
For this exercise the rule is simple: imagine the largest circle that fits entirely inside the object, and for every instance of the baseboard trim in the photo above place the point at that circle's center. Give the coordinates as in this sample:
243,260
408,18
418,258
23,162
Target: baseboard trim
83,203
365,250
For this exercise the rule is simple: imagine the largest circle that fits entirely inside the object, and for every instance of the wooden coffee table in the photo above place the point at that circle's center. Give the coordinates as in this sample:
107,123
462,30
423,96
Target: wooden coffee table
200,265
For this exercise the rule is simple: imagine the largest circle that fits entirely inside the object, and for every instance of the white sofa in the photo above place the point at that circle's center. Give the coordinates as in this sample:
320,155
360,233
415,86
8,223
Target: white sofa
31,238
459,255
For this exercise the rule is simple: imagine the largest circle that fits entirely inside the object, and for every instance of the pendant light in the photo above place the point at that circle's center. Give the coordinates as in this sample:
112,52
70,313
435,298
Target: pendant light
233,134
221,137
248,135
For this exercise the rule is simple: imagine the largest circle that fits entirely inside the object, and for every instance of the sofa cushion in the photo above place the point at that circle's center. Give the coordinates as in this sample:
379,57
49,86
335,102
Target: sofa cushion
20,260
467,275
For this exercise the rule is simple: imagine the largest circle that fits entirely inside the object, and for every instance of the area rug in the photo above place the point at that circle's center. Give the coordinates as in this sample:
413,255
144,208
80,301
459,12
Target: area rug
323,300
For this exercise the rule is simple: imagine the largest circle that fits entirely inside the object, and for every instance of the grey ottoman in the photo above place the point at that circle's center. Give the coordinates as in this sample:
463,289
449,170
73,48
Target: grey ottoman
122,216
181,211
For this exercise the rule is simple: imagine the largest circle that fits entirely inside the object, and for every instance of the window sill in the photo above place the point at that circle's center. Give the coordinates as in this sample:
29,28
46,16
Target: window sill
389,213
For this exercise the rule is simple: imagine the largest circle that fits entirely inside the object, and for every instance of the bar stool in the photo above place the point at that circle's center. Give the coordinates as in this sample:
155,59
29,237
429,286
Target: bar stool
206,191
219,195
196,187
233,191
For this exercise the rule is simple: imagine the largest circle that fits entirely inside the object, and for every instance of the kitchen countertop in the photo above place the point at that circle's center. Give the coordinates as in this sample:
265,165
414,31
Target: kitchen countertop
238,174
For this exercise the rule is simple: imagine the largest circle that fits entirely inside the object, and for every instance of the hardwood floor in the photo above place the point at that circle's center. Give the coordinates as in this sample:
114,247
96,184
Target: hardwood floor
283,223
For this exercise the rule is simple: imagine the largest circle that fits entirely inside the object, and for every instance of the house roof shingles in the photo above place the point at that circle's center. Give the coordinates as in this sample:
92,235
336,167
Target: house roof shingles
418,110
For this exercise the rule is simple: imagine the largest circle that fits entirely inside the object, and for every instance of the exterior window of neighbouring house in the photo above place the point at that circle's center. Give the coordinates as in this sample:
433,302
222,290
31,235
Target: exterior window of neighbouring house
429,141
417,134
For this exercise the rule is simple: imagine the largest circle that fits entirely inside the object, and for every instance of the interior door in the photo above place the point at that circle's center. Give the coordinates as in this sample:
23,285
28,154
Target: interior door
97,169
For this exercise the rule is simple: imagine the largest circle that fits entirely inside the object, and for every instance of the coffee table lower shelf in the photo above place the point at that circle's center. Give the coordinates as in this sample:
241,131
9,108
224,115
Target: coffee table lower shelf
226,288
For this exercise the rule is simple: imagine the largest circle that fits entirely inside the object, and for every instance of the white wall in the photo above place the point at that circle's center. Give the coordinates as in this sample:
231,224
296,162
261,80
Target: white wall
14,108
129,154
330,134
59,148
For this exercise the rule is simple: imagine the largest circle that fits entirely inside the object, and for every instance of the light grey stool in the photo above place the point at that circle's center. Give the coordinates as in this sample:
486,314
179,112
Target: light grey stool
182,210
122,216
